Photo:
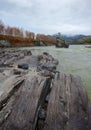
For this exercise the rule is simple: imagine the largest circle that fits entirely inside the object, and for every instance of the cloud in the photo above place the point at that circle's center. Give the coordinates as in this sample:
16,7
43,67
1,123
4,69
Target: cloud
44,16
23,3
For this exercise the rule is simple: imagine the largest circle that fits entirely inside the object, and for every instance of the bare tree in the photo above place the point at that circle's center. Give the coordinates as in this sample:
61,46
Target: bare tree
2,27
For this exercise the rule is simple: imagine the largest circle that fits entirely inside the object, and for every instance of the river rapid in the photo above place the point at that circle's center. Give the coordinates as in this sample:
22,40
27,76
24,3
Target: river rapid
73,60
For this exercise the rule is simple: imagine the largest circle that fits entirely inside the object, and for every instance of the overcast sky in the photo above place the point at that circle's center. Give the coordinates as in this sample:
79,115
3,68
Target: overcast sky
48,16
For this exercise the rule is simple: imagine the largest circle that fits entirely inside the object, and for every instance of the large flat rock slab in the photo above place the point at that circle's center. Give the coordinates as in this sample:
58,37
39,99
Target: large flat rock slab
26,104
68,106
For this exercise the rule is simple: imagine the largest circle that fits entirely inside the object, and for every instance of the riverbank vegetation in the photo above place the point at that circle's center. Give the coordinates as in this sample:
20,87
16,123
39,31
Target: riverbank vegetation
14,36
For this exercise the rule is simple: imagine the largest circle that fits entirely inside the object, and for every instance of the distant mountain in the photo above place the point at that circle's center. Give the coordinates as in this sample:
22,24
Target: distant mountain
67,37
72,37
75,39
84,40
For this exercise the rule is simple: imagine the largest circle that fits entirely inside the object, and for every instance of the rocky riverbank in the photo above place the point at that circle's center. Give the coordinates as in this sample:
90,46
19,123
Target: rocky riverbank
10,59
35,96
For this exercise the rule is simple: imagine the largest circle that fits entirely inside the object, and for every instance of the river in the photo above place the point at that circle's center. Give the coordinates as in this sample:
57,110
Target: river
75,60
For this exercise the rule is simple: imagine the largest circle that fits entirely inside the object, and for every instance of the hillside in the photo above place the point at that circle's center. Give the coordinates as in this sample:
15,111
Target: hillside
84,40
76,39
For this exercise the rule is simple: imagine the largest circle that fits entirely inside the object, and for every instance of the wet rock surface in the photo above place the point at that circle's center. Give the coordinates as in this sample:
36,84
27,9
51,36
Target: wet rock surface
35,96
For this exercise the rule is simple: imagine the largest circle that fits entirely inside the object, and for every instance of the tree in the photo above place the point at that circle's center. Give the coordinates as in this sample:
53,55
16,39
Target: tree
59,35
2,27
8,30
29,34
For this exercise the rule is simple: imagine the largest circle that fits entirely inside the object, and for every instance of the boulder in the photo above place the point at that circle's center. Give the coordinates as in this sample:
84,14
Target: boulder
23,66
